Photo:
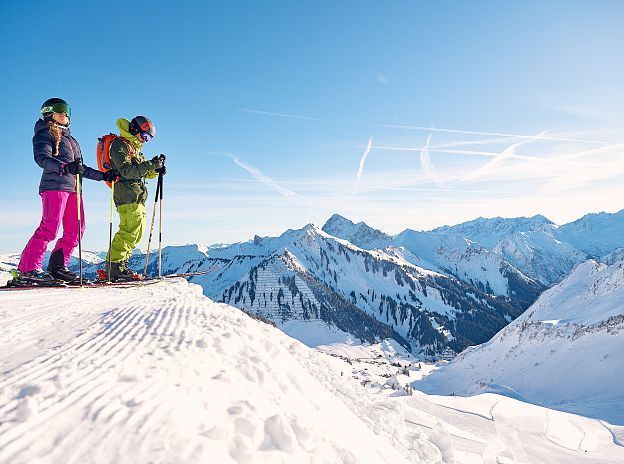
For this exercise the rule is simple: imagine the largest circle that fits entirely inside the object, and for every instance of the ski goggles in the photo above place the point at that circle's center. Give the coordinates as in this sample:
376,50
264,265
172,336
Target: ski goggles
58,108
146,136
147,131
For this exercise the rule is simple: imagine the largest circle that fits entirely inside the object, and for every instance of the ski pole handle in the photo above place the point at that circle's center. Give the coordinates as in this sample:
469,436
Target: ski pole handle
160,206
160,185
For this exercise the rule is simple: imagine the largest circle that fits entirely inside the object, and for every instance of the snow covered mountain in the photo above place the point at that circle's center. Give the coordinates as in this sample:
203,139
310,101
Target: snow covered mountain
307,274
443,253
491,231
541,249
360,234
563,352
468,261
595,234
529,244
281,290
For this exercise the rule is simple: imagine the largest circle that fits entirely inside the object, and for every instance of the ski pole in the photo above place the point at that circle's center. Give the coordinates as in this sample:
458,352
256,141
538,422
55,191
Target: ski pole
149,240
79,203
110,232
160,180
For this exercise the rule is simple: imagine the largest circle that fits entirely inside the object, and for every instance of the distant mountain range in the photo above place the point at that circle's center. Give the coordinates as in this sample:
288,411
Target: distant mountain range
454,286
536,246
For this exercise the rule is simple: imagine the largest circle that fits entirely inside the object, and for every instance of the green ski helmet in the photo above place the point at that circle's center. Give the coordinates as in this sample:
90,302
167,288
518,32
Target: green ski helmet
55,105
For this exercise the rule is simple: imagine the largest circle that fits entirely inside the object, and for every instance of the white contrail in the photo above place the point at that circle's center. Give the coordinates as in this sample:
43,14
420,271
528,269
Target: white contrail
420,128
286,115
256,174
427,165
470,142
493,134
493,164
585,153
491,154
369,146
420,189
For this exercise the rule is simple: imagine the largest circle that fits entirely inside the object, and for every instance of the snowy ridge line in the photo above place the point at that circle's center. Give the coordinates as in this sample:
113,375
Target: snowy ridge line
572,330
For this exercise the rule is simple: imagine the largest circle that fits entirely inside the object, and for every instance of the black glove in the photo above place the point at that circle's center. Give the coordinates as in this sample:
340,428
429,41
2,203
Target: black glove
159,161
162,170
73,168
111,176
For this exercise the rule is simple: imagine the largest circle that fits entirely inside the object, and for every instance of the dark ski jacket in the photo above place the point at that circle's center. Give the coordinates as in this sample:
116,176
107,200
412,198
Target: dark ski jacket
126,157
53,177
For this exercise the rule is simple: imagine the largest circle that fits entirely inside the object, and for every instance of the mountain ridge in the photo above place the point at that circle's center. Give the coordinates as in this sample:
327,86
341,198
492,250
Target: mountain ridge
563,352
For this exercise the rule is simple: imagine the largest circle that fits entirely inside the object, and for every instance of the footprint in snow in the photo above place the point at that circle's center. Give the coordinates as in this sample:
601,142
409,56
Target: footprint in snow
26,408
278,435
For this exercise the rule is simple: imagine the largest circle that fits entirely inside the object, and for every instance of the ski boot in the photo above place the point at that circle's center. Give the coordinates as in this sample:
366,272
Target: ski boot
58,270
36,278
119,272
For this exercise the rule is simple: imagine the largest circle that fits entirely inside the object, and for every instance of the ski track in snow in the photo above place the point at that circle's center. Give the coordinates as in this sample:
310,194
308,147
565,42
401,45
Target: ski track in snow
163,374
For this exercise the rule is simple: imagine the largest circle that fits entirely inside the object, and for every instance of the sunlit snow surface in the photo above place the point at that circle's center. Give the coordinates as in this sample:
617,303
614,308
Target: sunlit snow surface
163,374
564,352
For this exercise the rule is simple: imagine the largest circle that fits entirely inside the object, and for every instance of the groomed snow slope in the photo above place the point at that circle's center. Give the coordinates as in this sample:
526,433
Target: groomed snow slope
161,374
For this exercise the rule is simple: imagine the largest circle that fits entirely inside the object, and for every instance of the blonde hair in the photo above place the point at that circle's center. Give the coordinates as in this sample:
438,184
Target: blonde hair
55,132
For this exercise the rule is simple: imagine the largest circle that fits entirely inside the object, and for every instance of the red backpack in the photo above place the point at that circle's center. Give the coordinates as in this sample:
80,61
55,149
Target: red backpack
102,152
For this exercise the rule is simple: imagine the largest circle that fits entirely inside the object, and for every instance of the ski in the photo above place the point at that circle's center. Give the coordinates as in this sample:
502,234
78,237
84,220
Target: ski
17,282
126,284
193,274
10,286
98,283
102,275
131,284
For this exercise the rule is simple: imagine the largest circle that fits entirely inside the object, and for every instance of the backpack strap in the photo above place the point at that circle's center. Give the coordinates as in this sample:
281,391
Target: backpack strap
130,149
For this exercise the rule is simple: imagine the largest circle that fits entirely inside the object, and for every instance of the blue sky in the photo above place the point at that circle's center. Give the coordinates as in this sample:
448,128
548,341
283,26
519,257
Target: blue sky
277,114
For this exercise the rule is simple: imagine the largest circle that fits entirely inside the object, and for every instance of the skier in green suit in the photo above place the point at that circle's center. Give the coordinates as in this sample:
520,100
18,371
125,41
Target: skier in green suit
130,190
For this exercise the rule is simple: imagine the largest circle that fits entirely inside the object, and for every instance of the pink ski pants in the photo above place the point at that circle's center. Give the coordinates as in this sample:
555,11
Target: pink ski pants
58,207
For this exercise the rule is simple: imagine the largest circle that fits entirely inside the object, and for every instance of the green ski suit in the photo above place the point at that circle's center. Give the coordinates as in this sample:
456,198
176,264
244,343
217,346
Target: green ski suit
130,191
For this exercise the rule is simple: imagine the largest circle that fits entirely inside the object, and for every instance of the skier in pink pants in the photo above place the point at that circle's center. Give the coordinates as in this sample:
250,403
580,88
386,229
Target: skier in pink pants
58,153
